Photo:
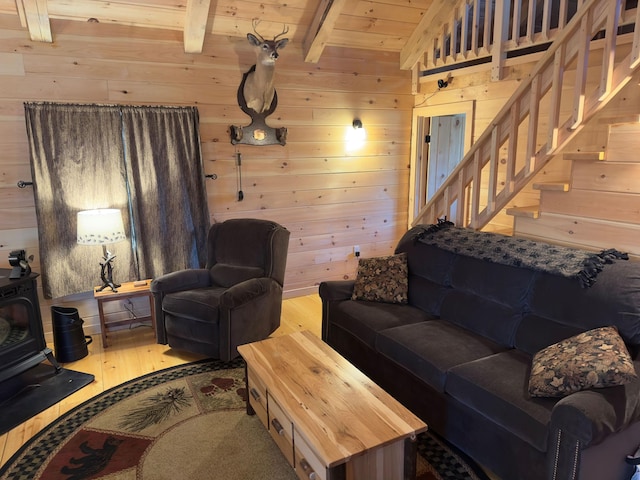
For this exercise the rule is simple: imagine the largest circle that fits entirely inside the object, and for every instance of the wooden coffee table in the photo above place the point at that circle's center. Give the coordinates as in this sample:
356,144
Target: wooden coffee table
330,421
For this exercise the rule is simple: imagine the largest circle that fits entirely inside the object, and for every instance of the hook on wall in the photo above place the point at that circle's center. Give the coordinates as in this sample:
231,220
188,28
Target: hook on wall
22,184
239,180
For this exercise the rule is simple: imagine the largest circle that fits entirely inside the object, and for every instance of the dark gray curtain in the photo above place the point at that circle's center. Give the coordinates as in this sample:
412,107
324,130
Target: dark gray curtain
166,187
87,156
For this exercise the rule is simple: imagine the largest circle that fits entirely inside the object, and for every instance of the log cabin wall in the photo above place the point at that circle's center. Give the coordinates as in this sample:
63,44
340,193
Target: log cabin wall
329,197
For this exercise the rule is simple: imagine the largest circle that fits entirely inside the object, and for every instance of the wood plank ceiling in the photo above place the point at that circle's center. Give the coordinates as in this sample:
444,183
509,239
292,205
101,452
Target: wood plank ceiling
385,25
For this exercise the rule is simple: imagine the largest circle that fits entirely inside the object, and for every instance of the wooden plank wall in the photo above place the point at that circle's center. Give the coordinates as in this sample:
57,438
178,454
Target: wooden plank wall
330,198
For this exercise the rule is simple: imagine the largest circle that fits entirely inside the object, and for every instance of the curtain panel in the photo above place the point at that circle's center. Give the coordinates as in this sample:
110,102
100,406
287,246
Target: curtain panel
145,161
167,190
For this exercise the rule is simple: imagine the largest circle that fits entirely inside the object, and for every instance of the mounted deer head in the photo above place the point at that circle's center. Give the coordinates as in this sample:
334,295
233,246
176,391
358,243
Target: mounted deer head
258,88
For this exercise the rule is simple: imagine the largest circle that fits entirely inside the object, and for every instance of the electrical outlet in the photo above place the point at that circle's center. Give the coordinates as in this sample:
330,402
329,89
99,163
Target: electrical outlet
356,250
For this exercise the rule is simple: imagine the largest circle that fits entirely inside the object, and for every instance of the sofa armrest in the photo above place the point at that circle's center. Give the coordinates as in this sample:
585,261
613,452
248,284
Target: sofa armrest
247,291
591,415
333,291
584,419
181,280
336,290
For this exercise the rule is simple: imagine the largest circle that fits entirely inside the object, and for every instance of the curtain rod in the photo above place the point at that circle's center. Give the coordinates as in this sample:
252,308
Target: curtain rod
23,184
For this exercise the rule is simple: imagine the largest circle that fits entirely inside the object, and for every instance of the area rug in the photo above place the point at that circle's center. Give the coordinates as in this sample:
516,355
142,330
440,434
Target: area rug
185,422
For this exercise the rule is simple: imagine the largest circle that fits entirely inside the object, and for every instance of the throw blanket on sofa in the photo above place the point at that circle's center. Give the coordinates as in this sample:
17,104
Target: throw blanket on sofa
519,252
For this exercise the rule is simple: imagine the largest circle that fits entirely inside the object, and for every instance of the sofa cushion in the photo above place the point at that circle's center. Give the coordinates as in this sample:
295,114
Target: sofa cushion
225,275
382,279
430,349
426,295
614,299
594,359
426,261
491,308
365,319
496,387
197,304
200,307
535,333
492,281
482,316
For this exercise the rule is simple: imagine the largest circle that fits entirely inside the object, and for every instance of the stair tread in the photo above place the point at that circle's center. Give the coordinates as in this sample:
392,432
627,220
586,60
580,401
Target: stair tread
631,118
555,186
531,211
584,156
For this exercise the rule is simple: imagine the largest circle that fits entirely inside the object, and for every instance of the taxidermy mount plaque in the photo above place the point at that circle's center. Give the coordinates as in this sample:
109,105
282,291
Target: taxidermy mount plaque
257,96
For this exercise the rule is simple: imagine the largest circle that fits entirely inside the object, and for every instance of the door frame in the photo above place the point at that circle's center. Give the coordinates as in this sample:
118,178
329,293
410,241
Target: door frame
419,164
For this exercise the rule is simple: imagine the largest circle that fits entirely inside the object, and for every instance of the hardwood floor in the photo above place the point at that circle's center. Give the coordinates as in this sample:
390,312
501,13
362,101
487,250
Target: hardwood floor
134,352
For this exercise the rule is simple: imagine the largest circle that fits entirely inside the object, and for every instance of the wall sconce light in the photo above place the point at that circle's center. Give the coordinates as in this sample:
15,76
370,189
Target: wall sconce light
355,136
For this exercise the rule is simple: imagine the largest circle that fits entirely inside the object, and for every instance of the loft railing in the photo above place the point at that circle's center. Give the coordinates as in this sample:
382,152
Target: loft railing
489,31
576,77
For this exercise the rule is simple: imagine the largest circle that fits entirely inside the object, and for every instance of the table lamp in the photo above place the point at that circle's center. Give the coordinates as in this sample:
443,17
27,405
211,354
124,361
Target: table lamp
102,227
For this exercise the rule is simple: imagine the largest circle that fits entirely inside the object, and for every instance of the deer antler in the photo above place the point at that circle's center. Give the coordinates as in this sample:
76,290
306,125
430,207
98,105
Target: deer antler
254,23
285,30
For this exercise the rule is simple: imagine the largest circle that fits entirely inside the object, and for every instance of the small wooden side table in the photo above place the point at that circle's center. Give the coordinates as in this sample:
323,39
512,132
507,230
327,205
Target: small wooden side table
126,290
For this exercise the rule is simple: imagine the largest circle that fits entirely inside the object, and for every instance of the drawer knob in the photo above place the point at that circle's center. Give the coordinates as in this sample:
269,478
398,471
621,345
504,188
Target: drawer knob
306,468
255,394
278,426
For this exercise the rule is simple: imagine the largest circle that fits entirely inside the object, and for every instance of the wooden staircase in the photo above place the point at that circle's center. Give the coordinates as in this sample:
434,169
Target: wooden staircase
599,205
549,109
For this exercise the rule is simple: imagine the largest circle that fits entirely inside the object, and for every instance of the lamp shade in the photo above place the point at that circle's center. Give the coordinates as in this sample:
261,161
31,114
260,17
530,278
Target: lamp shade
100,227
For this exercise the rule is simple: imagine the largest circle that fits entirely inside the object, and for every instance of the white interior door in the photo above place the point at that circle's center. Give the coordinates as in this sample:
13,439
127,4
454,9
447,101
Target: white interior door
446,149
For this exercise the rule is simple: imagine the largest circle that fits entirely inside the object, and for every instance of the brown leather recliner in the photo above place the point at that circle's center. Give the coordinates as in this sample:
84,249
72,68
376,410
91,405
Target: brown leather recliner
235,299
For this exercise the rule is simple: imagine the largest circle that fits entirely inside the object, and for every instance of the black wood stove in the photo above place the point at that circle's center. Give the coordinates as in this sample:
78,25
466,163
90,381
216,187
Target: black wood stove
22,342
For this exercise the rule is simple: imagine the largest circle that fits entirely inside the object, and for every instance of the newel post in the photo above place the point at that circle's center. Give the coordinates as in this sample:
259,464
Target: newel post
500,36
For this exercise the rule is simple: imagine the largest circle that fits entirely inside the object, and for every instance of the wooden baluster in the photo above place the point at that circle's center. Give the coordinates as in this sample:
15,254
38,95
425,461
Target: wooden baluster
635,49
512,150
534,113
556,97
608,59
580,87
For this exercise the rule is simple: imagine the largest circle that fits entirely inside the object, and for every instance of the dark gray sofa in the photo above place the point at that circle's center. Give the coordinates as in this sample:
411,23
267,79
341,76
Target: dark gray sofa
459,356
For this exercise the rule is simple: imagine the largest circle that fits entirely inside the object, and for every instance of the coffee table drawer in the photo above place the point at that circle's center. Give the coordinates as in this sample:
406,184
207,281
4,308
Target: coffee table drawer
308,466
258,397
281,429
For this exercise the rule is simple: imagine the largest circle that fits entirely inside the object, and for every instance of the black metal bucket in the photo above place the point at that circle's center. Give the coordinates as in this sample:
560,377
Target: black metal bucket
70,342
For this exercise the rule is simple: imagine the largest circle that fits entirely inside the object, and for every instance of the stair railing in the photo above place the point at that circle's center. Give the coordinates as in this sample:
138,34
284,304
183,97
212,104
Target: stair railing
564,90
